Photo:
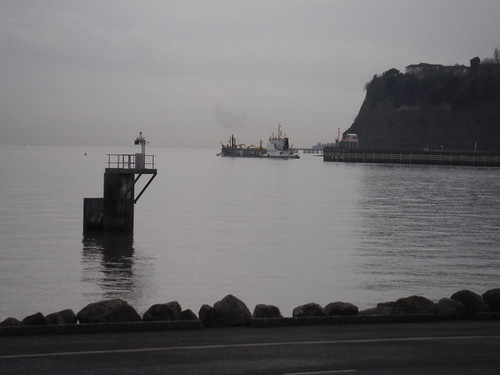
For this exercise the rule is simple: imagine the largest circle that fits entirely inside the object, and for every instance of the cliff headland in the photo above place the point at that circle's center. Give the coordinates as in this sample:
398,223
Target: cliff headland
432,107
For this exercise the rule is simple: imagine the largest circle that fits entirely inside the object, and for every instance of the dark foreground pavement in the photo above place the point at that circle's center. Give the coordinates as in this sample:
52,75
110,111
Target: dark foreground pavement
460,347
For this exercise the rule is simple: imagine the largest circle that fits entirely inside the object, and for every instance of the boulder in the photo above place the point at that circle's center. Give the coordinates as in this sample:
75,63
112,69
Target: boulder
473,303
266,311
10,322
415,305
369,312
109,311
450,309
386,308
232,311
35,320
309,309
209,316
341,308
492,298
163,311
188,315
62,317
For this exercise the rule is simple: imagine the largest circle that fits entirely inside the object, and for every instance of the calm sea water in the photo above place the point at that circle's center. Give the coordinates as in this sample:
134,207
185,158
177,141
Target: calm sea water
283,232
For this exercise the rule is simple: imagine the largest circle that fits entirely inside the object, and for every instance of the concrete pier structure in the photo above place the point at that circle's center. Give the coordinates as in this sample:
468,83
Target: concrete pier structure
115,211
435,157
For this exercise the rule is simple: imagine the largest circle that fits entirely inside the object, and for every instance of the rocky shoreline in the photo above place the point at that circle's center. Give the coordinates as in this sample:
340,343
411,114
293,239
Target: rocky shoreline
116,315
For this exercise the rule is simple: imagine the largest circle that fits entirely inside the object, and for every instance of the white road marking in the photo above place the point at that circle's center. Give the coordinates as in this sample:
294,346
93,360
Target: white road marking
321,372
250,345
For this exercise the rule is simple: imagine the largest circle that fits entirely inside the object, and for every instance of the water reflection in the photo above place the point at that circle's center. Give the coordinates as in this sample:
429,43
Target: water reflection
108,262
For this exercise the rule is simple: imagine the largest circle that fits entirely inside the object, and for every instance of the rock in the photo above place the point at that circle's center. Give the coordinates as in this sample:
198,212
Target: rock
369,312
164,311
492,298
62,317
10,322
415,305
386,308
266,311
35,319
109,311
209,316
341,308
188,315
309,309
450,309
232,311
473,303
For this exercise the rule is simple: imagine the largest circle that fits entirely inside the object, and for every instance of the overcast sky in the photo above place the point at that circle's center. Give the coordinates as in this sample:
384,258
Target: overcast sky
190,73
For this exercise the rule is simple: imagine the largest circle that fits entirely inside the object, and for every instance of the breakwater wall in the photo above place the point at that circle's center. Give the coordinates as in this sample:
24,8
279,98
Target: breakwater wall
116,315
476,159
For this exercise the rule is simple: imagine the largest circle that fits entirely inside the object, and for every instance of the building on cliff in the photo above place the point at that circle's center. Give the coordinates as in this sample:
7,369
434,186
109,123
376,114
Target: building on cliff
350,142
425,70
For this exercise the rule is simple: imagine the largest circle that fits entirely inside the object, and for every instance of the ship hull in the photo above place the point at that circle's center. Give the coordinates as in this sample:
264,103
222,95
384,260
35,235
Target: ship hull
282,154
243,152
257,153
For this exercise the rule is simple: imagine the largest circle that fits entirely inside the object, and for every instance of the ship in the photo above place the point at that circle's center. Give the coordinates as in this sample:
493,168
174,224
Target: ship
235,149
278,146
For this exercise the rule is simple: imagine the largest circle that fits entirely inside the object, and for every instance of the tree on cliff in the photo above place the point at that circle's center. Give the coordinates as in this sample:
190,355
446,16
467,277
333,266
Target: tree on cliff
495,59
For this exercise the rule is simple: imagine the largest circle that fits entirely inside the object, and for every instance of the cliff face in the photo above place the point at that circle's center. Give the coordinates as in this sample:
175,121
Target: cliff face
433,110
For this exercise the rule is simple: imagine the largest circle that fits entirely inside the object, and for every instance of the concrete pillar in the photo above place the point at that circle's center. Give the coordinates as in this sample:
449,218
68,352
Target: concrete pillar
93,211
118,202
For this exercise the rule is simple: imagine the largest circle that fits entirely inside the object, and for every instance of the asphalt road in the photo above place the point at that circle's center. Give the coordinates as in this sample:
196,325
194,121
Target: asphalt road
418,348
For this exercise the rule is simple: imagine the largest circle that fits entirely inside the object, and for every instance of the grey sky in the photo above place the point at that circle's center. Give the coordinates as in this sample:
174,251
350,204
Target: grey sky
190,73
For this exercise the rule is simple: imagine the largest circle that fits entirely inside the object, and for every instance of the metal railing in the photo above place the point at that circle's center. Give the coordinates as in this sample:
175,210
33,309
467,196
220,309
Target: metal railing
131,161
